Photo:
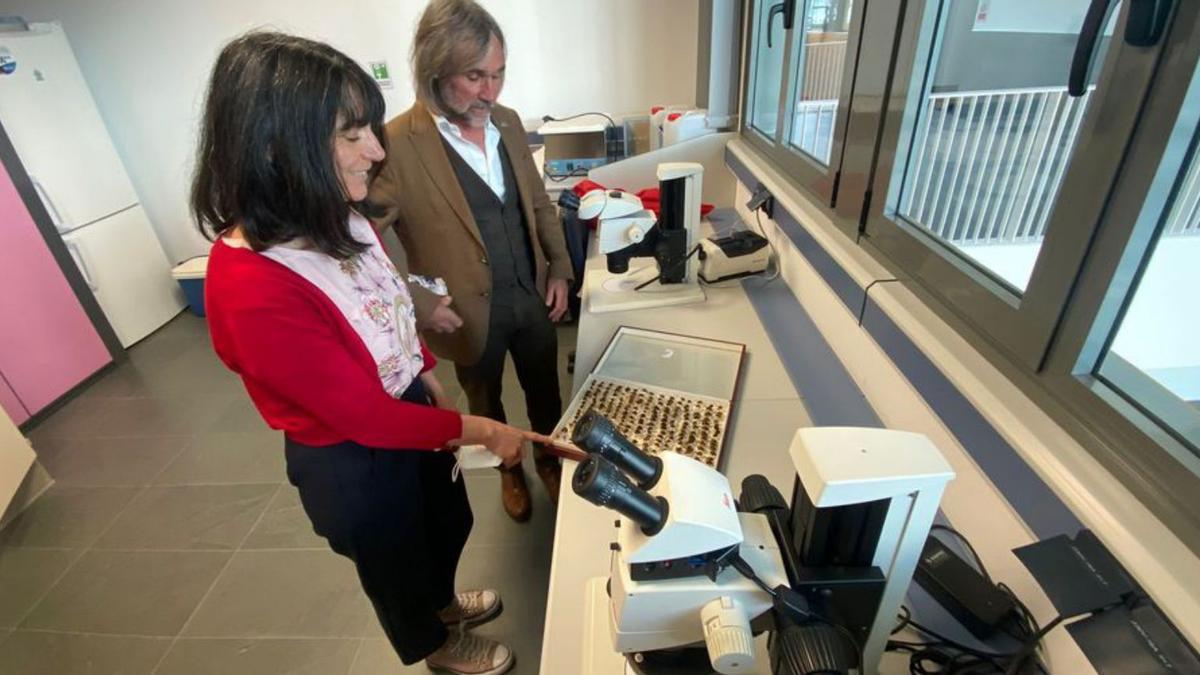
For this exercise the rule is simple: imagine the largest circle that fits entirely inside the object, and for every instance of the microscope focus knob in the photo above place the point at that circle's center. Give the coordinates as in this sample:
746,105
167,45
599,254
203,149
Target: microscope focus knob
635,235
727,636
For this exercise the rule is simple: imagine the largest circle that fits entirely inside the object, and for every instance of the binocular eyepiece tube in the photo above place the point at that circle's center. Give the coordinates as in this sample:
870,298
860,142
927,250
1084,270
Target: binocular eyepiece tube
596,435
602,483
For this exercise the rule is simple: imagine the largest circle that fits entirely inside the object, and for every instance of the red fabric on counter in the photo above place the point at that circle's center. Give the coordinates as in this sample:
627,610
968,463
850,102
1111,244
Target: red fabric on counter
306,369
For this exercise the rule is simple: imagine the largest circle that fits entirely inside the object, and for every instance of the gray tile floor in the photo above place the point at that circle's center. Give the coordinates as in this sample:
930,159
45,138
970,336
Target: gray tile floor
171,543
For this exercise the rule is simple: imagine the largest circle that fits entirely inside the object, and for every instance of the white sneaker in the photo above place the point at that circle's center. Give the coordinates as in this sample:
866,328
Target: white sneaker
469,654
472,608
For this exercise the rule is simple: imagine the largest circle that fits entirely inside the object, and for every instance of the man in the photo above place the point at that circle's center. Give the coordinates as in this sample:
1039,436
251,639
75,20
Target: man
461,189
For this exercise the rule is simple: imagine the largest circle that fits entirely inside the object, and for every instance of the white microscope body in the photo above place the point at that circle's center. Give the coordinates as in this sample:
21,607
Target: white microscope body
661,613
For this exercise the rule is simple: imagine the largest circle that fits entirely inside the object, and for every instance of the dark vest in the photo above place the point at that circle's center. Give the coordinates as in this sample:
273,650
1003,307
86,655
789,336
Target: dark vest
501,224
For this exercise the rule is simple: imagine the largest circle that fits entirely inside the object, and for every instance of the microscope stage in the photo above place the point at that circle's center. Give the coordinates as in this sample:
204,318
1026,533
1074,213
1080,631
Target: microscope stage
607,292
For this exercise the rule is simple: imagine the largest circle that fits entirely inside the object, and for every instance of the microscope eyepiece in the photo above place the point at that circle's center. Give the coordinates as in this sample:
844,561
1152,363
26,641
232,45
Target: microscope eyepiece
596,434
601,483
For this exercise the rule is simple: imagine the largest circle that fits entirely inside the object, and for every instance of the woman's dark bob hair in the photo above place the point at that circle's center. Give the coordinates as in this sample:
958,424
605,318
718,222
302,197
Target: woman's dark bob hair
266,162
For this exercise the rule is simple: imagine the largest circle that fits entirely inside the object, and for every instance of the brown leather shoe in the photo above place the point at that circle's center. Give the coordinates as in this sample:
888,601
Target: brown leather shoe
549,469
514,494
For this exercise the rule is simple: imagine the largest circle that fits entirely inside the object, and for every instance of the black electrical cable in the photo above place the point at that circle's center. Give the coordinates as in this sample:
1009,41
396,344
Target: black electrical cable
955,644
774,253
1030,645
739,564
950,656
552,118
939,652
560,177
1025,625
747,571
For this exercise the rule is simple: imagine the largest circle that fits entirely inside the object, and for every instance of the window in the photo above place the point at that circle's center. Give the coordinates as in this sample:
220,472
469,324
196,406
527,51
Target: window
766,65
1044,198
1000,174
994,135
800,54
820,56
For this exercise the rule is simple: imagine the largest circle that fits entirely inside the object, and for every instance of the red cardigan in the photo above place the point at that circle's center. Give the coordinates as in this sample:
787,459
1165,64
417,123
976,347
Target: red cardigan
306,369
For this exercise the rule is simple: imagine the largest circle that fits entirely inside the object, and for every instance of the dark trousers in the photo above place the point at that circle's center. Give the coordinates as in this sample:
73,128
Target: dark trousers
518,325
398,516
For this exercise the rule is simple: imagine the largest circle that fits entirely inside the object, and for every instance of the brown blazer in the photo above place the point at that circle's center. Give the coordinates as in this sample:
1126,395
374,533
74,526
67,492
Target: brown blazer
420,197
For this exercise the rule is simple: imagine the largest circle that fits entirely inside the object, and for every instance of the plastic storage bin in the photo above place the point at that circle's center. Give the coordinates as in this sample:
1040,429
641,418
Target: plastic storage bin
190,275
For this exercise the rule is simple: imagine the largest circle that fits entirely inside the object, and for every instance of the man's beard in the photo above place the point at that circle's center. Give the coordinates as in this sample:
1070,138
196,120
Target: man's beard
473,116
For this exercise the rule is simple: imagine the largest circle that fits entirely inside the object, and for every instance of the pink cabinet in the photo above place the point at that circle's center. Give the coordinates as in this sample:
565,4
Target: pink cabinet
47,343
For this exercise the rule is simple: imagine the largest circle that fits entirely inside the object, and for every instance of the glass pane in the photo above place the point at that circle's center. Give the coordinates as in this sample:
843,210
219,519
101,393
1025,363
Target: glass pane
819,76
996,129
769,42
1154,358
686,364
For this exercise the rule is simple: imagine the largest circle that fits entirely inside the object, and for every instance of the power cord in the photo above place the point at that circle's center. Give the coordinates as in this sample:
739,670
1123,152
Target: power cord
774,253
1030,646
944,656
560,177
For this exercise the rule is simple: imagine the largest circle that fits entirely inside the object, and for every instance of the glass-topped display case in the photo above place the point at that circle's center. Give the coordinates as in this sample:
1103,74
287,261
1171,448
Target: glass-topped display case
663,392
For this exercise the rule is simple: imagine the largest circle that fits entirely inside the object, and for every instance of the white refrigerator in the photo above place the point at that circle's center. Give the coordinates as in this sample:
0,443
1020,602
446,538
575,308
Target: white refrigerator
48,113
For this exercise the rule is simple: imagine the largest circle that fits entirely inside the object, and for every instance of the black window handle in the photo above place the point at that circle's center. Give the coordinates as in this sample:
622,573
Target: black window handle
1085,48
1144,27
788,9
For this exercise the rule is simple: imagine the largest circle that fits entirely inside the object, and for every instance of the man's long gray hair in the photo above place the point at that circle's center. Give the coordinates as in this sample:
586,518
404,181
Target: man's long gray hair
452,35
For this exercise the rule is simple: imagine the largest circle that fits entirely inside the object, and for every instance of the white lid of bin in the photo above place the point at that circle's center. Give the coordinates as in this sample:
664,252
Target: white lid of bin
194,268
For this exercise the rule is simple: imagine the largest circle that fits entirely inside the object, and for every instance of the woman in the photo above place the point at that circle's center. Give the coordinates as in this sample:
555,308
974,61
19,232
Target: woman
304,305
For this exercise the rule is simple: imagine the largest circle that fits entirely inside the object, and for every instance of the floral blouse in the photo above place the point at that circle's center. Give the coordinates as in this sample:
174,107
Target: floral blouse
370,293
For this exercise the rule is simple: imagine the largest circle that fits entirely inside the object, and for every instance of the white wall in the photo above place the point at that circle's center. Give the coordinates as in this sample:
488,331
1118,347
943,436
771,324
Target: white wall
147,62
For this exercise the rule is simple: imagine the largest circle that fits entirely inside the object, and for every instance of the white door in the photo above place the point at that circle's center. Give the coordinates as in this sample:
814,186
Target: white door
49,114
123,263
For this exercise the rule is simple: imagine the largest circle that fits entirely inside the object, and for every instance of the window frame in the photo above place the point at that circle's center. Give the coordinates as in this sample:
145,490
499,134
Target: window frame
1023,324
1138,446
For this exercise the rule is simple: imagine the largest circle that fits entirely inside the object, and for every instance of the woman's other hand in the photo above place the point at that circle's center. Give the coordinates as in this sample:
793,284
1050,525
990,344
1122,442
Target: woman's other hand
442,319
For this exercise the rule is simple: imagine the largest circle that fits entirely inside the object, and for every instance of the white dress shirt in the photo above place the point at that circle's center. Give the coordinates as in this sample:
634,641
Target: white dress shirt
486,163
